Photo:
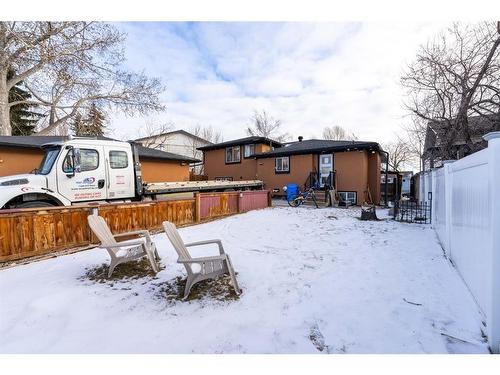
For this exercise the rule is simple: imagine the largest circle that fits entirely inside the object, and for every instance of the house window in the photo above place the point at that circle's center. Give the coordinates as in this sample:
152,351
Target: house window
349,196
233,154
223,179
282,165
118,159
249,150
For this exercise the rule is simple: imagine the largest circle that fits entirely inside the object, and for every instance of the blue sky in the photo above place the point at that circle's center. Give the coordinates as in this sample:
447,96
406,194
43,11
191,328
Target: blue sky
308,75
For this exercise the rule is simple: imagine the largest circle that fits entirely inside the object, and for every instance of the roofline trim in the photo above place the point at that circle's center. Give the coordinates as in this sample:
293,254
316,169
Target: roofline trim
173,132
356,147
221,145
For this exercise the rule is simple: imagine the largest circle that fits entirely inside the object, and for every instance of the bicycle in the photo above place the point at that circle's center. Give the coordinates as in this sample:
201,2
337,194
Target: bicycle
301,198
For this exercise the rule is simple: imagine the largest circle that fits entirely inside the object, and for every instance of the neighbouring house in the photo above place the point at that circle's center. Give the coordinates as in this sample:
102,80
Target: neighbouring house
179,142
22,154
437,133
399,184
351,167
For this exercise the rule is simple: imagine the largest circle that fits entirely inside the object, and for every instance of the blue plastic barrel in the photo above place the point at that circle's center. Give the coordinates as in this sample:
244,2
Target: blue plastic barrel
292,190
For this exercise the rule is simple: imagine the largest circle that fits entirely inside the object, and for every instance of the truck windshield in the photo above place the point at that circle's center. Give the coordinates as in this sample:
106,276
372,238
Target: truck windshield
48,160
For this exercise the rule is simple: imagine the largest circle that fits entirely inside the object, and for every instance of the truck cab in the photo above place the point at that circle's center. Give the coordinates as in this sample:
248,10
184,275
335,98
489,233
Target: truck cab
77,170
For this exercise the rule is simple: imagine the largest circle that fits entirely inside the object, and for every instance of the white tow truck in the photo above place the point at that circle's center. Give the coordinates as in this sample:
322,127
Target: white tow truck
83,170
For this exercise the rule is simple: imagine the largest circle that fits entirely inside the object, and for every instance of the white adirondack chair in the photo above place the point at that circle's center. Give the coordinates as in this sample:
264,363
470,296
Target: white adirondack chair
202,268
124,251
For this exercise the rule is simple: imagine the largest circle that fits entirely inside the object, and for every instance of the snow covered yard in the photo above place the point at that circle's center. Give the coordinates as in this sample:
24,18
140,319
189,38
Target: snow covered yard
314,281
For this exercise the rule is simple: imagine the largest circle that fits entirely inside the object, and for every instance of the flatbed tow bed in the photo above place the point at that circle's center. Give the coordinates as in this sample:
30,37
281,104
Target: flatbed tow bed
195,186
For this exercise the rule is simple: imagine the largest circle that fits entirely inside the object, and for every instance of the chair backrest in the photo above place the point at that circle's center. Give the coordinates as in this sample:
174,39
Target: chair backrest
101,230
176,240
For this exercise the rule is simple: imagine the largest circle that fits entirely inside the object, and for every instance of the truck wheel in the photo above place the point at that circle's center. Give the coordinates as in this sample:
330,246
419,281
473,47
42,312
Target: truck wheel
35,204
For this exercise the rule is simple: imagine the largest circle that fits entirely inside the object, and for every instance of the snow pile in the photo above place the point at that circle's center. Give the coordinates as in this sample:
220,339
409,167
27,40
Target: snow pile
313,280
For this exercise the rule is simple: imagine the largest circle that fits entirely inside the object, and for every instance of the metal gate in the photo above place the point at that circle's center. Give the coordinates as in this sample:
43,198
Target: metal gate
413,212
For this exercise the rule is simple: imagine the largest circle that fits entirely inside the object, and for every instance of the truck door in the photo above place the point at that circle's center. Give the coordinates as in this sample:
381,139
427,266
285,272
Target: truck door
120,170
81,174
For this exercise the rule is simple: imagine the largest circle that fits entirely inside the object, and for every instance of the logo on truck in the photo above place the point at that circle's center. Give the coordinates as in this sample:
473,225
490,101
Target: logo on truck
87,181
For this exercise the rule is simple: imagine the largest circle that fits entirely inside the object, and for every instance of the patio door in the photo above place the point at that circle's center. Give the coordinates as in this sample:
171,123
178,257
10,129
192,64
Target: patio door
325,168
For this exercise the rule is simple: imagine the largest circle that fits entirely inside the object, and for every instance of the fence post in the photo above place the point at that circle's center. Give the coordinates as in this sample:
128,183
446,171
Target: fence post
433,199
197,207
448,190
494,185
240,198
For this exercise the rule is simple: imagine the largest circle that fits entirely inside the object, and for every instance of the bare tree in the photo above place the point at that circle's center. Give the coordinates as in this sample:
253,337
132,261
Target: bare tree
67,65
456,76
338,133
399,154
202,135
155,135
208,133
264,125
414,137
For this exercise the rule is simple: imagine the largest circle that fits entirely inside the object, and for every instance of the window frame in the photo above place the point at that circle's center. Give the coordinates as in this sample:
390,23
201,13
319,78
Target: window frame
282,171
52,162
245,150
81,170
232,153
224,178
346,192
109,155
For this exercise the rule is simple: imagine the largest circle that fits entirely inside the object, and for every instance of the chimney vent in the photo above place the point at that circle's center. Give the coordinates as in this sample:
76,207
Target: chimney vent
300,138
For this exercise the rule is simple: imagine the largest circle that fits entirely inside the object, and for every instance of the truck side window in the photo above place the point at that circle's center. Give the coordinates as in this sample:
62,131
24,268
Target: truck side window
118,159
89,160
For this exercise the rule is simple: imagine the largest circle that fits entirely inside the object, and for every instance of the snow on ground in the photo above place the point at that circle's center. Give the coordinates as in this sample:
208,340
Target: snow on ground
313,280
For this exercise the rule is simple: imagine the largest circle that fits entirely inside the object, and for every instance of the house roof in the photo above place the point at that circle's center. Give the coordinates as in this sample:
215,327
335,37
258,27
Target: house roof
146,152
478,126
311,146
36,142
241,141
180,131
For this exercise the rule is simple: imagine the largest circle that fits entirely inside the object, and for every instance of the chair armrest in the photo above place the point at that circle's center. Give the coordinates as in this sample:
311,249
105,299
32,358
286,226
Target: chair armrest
201,259
199,243
125,243
143,232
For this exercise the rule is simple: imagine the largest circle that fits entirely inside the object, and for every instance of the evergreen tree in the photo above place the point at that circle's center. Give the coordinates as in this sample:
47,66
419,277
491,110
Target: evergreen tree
78,126
91,126
22,117
96,122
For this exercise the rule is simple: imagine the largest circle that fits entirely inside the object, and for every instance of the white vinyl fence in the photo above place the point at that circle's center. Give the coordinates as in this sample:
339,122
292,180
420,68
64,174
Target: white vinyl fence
466,218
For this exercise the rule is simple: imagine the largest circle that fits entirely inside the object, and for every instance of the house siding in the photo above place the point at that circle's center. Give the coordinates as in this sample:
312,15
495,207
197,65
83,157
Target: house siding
15,160
300,167
215,164
352,172
374,175
156,170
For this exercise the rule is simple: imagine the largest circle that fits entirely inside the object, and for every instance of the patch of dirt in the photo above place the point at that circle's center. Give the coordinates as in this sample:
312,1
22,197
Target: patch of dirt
172,290
123,272
317,339
219,289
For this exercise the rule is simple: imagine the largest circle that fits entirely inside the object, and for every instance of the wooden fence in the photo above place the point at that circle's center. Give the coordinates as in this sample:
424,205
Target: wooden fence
26,233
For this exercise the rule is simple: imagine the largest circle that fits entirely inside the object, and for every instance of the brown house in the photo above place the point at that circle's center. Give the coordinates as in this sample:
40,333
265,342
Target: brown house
22,154
351,167
235,160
